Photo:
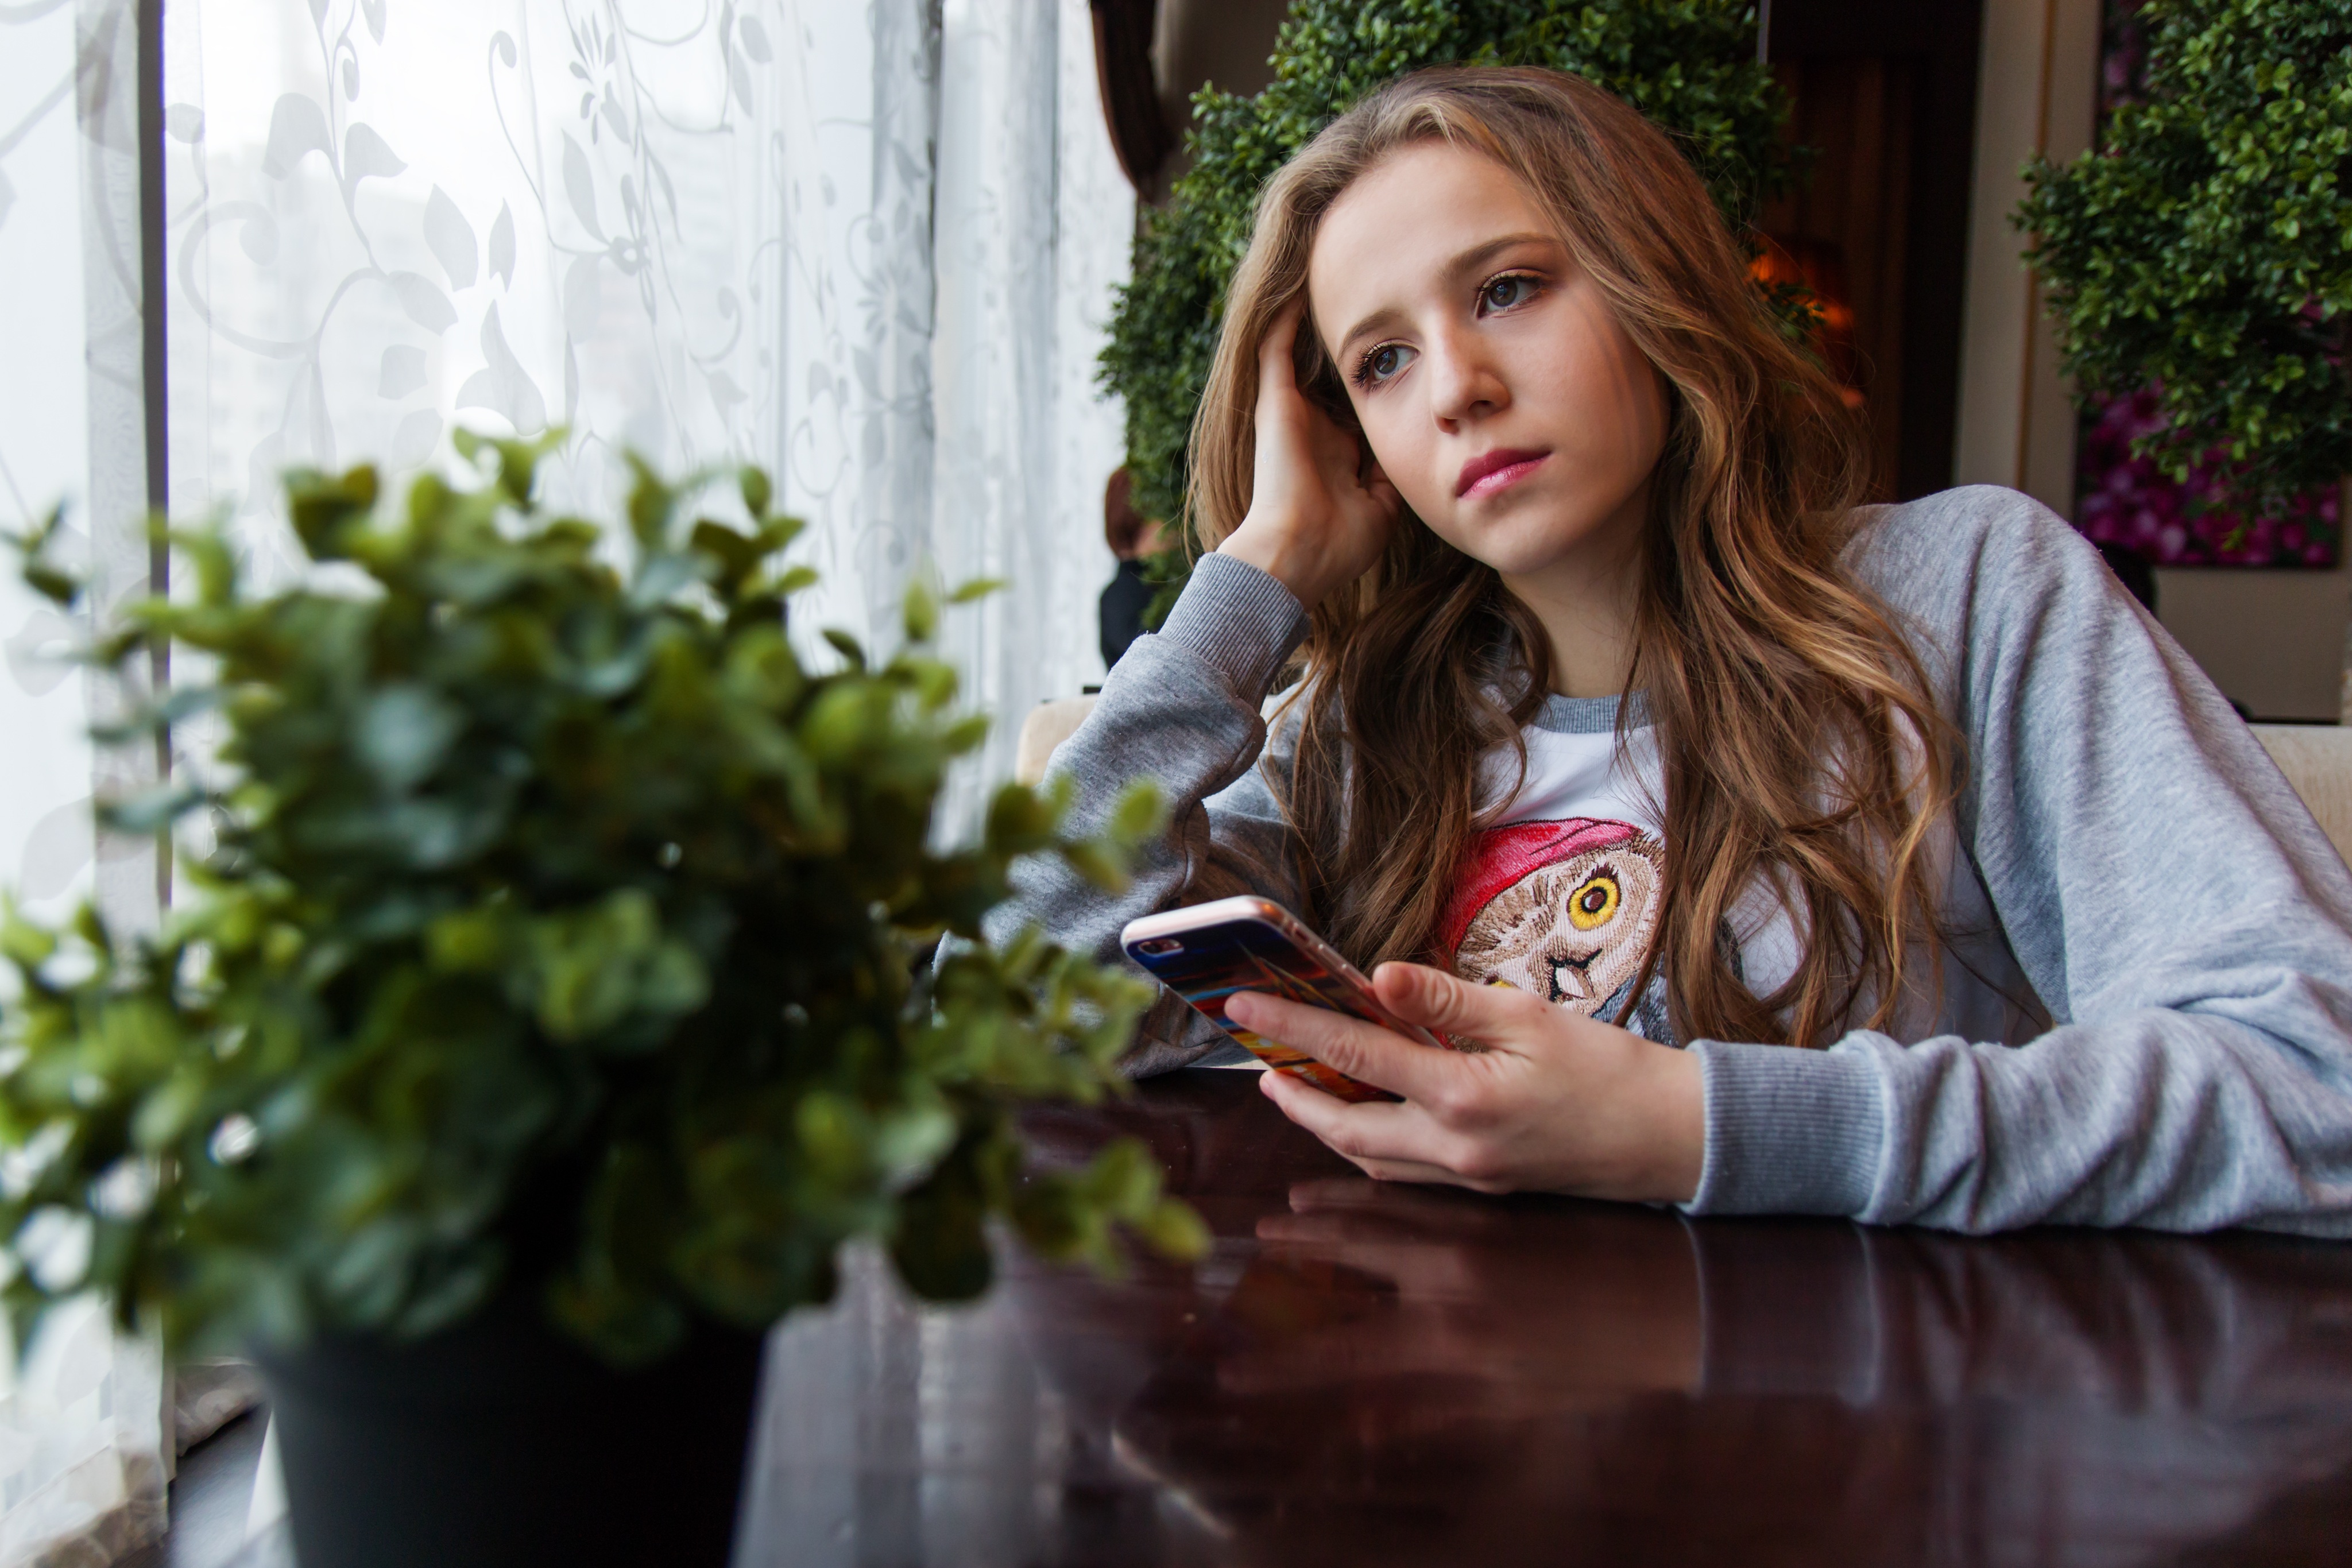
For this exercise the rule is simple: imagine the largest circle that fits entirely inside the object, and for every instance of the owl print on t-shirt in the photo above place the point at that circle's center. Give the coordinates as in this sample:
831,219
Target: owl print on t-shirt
1566,911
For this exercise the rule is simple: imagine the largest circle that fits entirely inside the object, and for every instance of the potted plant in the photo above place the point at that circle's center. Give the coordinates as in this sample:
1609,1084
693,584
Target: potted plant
1690,65
551,1009
2196,260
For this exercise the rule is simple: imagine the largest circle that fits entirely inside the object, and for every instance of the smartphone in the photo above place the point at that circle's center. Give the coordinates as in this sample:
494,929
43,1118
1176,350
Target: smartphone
1206,953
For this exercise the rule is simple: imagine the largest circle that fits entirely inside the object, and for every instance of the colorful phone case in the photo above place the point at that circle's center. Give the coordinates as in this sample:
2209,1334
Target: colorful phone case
1249,951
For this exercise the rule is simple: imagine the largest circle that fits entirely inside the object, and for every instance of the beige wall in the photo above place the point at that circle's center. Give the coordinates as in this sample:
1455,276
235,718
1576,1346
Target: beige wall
2271,640
2274,641
2036,94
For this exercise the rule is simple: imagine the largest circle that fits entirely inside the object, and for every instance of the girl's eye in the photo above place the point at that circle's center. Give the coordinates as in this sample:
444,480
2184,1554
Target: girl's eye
1511,289
1382,363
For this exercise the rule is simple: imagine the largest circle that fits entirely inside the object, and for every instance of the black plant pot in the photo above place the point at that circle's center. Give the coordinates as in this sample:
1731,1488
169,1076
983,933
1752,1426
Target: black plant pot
500,1443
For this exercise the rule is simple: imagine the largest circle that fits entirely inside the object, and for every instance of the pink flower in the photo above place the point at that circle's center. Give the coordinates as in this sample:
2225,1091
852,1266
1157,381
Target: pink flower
2126,498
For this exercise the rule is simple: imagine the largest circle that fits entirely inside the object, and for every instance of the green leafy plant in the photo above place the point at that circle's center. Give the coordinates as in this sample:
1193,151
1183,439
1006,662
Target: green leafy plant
1689,65
2204,248
565,928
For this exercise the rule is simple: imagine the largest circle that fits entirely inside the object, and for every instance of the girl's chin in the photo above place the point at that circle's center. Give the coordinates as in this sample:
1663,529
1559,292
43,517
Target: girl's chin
1526,546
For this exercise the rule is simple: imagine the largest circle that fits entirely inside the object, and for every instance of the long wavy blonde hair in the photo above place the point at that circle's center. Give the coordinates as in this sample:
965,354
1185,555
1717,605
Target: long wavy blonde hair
1800,740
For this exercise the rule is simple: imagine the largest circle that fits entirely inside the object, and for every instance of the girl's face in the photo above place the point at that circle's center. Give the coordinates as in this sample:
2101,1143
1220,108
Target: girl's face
1498,392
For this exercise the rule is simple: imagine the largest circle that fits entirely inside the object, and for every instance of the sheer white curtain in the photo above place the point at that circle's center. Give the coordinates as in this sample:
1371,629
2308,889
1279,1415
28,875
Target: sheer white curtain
392,216
860,128
83,1449
870,244
1033,221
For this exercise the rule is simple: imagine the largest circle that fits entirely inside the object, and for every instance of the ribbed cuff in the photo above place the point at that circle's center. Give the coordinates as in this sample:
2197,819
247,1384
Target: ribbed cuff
1241,621
1789,1131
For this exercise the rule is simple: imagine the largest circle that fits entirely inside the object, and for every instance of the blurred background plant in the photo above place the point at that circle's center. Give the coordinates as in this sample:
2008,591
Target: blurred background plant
1689,65
566,929
2197,261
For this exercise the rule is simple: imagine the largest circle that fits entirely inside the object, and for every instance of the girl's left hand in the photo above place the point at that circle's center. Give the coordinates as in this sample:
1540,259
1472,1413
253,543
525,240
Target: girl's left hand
1555,1103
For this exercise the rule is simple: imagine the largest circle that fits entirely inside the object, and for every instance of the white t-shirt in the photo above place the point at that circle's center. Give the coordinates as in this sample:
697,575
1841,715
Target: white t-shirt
1559,894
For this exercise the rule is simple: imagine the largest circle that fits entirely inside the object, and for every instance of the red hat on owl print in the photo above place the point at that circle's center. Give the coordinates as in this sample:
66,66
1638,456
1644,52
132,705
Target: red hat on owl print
1503,857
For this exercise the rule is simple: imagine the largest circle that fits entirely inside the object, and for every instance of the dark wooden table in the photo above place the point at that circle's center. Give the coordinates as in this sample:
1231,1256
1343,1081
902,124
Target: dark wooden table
1368,1375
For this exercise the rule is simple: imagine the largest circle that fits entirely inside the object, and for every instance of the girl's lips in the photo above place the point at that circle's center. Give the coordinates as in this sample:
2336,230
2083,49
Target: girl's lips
1493,472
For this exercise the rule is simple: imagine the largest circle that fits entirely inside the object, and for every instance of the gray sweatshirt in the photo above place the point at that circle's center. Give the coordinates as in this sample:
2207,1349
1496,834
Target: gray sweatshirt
2147,1018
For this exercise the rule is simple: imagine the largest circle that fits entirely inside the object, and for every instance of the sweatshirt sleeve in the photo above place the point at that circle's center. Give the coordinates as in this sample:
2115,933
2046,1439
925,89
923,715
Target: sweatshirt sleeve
1182,707
2171,900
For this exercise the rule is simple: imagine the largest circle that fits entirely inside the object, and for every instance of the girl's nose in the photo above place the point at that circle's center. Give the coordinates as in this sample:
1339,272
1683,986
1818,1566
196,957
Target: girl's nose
1465,383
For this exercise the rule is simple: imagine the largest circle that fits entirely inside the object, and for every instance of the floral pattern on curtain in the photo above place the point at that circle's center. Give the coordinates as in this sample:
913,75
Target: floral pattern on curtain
389,218
703,233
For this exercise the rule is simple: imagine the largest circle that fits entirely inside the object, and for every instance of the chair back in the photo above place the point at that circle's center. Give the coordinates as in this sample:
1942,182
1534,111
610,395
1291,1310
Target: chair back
1049,724
2317,761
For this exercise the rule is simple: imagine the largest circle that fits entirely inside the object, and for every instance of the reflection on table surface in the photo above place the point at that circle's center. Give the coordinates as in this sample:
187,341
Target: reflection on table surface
1365,1373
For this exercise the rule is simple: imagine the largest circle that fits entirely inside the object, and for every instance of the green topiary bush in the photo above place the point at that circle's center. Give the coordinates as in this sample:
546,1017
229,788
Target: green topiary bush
1690,65
2205,246
565,931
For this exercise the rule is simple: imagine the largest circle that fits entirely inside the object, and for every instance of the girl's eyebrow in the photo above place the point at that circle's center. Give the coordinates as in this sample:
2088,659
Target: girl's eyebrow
1476,259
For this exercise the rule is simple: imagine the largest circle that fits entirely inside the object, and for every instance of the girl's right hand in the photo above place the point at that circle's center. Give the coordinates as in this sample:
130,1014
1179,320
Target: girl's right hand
1556,1103
1318,515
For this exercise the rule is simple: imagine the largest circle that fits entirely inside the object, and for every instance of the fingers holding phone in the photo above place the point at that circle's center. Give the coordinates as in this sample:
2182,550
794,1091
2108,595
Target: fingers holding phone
1556,1103
1211,954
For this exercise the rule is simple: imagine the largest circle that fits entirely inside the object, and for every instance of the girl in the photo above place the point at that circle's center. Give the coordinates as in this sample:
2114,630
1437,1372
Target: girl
1785,855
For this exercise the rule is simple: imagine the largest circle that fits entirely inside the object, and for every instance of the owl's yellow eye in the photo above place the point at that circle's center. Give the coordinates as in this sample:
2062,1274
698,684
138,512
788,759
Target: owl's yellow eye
1595,903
